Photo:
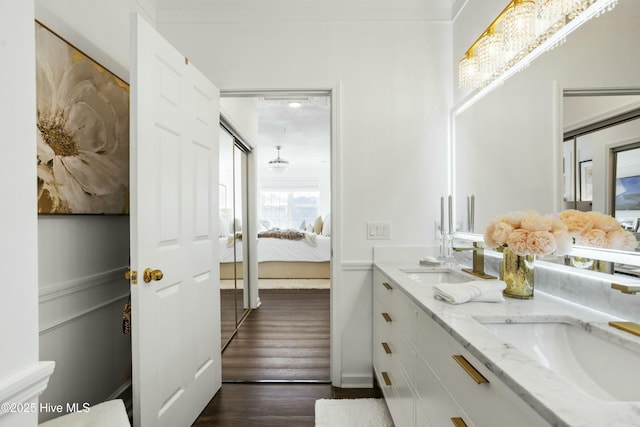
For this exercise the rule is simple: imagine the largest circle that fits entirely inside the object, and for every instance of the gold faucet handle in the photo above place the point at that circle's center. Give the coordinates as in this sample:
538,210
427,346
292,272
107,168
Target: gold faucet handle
626,289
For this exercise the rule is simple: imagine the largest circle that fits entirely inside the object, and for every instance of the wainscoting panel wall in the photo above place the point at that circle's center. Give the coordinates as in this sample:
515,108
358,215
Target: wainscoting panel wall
82,260
356,299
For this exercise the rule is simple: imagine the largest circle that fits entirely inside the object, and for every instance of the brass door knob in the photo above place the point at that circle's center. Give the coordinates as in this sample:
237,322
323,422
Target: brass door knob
150,275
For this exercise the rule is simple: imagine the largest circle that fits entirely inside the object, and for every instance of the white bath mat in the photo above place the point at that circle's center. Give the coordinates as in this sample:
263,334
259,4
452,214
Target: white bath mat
352,413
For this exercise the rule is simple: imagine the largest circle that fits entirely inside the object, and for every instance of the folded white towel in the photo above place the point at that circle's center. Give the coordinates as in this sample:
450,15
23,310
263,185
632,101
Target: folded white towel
430,260
477,290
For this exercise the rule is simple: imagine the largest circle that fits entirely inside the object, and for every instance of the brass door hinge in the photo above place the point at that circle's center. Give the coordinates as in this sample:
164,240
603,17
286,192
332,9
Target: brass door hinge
131,275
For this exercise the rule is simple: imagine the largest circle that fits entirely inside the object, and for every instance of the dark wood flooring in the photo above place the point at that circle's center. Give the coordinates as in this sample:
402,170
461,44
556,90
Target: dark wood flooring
286,339
277,365
272,405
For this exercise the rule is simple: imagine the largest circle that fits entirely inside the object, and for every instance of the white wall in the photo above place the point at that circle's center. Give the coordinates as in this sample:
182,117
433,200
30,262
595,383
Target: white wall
22,377
508,145
82,259
393,83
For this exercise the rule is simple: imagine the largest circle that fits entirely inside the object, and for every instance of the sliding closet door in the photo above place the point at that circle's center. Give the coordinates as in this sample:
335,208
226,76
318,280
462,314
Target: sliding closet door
234,246
230,252
240,202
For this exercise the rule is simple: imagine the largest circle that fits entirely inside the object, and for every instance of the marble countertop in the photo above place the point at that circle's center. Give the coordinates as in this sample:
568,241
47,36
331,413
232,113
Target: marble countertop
556,400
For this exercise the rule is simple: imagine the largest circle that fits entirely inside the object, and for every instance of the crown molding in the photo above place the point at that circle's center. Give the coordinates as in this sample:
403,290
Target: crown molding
258,11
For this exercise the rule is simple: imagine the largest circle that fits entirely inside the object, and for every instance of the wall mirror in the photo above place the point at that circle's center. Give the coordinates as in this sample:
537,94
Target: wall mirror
509,146
233,248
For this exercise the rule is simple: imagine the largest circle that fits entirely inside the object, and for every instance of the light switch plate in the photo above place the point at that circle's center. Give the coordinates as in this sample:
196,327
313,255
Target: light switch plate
378,230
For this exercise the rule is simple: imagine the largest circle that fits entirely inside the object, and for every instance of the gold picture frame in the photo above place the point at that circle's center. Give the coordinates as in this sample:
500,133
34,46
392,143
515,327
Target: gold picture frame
82,131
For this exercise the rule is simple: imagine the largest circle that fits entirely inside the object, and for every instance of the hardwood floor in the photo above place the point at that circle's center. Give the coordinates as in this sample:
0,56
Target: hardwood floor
272,405
277,366
286,339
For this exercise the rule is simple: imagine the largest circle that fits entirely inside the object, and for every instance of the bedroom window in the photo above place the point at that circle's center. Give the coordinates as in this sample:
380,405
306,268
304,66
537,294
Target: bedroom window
288,209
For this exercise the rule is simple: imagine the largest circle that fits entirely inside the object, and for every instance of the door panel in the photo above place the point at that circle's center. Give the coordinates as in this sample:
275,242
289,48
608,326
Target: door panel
175,315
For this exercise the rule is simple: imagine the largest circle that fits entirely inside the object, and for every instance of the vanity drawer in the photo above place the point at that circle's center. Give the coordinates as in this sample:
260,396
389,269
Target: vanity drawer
389,342
489,403
405,315
383,290
382,321
398,395
404,311
434,405
404,355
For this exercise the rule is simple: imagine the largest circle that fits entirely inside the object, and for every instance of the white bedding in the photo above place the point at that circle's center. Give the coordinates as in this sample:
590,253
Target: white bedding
270,249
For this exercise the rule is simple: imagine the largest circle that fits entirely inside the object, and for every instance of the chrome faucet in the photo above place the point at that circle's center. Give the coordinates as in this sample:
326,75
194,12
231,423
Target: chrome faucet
478,261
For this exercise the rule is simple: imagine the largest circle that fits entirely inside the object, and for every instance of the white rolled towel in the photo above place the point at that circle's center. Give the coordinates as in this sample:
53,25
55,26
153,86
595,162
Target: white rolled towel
476,290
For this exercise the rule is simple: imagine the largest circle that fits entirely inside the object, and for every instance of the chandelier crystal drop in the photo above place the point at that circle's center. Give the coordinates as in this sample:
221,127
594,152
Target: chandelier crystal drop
519,26
469,74
573,8
550,16
491,51
514,36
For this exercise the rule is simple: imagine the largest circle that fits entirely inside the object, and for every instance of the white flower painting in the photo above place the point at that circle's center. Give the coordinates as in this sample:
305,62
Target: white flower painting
83,132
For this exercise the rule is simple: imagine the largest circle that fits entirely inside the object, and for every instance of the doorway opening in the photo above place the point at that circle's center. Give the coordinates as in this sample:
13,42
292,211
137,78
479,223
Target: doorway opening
286,237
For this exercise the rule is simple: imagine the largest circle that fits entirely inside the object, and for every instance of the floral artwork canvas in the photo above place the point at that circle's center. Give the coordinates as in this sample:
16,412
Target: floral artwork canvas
83,132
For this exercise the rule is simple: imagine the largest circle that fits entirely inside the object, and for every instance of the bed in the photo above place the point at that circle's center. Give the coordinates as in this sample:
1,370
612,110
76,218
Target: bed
280,257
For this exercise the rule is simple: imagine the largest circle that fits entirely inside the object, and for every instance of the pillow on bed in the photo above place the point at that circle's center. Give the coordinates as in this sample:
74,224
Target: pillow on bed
303,226
264,224
326,225
224,225
317,226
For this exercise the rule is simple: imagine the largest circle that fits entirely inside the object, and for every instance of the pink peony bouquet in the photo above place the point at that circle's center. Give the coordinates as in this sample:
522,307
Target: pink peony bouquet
597,230
529,233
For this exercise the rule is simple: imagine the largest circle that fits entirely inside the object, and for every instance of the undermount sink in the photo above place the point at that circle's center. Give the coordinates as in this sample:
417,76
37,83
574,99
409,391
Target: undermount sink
588,356
426,276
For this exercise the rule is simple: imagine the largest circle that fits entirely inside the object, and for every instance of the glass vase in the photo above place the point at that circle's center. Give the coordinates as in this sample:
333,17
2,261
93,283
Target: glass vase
517,273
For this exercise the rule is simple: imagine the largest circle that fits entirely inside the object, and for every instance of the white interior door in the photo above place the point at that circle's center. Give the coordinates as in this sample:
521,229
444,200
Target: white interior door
174,222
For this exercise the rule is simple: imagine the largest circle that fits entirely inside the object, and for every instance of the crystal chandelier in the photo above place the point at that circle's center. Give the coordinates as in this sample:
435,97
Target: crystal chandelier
516,35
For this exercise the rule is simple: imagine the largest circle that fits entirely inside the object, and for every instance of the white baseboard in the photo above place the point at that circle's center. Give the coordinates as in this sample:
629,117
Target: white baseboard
116,394
357,381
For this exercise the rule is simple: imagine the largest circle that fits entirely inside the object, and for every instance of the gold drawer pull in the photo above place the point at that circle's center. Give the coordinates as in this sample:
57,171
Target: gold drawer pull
625,289
386,347
386,378
469,369
386,316
458,422
386,285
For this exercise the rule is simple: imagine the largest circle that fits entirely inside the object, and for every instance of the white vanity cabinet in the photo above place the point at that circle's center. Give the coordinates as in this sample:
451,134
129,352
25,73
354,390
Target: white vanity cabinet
423,383
486,400
393,352
413,393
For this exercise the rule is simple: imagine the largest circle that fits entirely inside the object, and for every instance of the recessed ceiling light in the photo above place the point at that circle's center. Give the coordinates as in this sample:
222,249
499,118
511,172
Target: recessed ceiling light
295,104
